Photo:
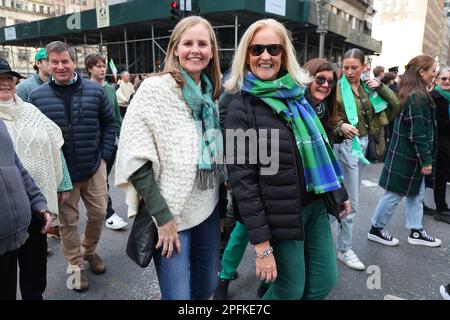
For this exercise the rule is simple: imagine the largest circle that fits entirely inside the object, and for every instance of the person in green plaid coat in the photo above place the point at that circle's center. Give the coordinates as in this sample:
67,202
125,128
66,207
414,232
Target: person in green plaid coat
411,157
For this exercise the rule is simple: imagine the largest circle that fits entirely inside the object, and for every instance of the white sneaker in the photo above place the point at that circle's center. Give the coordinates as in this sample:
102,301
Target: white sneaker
445,292
351,260
115,222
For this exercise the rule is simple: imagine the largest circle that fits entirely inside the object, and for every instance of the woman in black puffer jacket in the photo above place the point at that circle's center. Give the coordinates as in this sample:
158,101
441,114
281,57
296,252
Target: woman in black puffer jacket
278,187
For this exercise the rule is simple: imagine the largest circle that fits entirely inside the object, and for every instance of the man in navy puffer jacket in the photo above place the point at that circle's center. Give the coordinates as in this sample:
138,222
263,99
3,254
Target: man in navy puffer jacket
82,110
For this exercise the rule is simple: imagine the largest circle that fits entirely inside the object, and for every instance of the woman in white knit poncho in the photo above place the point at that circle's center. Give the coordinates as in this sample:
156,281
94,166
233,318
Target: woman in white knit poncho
159,159
37,142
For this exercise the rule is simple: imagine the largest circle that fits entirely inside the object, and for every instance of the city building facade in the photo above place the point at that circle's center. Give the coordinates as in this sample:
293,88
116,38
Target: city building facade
138,30
408,28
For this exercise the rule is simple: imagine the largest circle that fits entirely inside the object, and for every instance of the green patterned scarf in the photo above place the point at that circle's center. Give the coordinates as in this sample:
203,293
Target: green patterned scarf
210,161
321,169
351,111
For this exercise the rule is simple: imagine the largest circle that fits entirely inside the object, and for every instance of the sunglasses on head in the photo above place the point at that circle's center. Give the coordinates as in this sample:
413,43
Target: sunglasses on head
258,49
320,80
443,79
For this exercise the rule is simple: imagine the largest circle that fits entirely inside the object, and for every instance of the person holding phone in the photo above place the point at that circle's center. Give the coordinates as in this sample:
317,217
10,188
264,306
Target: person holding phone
360,113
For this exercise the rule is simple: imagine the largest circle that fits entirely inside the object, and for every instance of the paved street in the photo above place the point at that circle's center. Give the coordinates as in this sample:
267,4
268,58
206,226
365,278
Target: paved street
406,271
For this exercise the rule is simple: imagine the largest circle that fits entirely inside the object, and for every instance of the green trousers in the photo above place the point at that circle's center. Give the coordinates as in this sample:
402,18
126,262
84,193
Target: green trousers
306,269
234,251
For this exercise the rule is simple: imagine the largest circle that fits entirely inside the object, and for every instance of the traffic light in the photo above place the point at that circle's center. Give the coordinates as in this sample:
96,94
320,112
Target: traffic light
175,10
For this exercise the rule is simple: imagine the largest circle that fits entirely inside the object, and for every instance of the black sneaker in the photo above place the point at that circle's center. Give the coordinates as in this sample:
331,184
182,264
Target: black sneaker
420,237
221,292
381,236
428,211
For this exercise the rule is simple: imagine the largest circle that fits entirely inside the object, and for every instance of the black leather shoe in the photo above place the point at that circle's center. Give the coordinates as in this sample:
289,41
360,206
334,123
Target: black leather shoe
261,291
221,292
443,216
428,211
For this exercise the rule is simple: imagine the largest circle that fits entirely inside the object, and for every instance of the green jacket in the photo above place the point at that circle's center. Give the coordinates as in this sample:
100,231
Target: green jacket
377,120
111,93
413,146
24,88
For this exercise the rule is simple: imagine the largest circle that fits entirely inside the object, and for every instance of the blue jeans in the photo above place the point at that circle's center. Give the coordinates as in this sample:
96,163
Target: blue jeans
353,170
389,201
193,273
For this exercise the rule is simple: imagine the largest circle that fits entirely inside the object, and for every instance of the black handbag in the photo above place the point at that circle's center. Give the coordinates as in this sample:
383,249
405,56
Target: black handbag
371,151
334,200
143,238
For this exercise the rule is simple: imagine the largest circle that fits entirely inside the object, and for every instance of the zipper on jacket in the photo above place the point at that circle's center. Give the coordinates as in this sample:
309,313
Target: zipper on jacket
296,157
69,117
16,223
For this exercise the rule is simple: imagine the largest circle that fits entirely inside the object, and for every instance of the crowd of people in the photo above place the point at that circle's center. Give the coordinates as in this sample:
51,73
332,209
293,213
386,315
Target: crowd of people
169,137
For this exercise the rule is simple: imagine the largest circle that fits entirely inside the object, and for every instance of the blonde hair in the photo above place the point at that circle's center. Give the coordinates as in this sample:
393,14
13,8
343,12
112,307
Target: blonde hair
239,66
172,64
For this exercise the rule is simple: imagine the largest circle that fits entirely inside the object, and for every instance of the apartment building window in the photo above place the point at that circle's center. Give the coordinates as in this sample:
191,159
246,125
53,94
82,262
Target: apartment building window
73,1
26,6
2,22
388,5
41,9
23,54
410,5
19,5
4,53
84,3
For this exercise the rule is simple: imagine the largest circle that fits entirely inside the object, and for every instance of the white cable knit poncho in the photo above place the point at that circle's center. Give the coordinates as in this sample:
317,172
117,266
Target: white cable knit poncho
37,141
159,127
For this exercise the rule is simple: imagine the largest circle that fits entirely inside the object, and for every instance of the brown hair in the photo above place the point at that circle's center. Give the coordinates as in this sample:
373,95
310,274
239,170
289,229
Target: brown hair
171,63
378,70
59,47
315,66
91,60
355,53
388,76
411,81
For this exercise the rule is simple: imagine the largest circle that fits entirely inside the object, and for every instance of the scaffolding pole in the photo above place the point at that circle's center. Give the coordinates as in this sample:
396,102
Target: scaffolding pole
236,33
101,43
85,45
126,48
153,48
305,58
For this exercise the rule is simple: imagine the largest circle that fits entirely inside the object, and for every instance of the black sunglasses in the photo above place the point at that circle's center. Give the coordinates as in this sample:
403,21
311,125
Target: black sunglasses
258,49
320,80
445,79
